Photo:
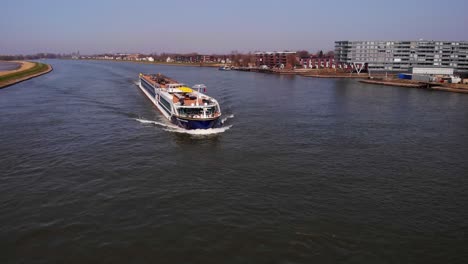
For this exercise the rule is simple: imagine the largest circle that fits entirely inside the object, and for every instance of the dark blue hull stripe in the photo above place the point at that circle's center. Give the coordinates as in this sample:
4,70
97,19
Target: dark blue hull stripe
196,124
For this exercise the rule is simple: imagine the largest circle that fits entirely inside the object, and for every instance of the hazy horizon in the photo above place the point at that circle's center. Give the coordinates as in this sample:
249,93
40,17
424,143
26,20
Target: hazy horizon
209,27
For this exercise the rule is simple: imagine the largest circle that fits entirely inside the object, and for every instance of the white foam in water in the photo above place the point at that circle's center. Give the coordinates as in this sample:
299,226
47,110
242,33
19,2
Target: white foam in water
198,132
226,118
144,121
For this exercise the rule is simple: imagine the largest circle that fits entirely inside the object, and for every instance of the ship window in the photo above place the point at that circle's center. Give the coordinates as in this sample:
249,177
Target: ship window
148,87
210,110
190,112
165,104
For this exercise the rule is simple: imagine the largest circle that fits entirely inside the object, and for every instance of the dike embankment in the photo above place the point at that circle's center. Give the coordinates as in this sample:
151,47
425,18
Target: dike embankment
26,71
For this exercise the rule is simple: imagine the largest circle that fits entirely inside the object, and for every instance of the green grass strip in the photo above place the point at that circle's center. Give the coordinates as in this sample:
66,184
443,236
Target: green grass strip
39,67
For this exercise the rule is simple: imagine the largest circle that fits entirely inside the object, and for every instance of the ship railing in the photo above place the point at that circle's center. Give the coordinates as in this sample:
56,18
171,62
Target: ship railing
199,115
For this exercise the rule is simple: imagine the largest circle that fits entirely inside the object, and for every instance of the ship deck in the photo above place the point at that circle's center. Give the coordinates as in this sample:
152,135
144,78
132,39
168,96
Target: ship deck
185,100
182,98
152,80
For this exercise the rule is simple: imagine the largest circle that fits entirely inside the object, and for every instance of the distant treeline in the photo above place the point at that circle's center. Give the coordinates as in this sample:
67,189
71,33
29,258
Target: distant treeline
35,56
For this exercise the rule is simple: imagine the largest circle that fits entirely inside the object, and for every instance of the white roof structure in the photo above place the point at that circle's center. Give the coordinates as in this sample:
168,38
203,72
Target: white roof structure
432,70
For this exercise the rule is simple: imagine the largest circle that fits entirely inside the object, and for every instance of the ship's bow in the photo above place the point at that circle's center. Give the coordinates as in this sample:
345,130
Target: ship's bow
197,123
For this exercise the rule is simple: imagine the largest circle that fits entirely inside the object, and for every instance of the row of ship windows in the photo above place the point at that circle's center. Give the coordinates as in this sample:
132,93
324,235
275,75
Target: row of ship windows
404,51
389,43
389,49
148,87
391,55
412,61
165,105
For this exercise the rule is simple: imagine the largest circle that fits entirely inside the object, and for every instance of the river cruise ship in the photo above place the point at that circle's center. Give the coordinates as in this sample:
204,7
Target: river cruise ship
188,108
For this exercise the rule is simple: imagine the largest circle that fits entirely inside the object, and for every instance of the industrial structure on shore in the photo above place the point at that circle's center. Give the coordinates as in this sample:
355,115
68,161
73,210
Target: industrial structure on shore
403,55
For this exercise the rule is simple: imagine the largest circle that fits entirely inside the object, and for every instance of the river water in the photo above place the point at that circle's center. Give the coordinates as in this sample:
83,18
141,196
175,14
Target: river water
304,171
9,66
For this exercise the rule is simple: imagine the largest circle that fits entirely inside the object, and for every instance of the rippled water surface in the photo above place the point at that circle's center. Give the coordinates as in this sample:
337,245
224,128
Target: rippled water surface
305,171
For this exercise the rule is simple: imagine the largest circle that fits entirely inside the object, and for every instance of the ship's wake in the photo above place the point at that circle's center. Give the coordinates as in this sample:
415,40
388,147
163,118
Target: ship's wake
227,118
199,132
144,121
196,132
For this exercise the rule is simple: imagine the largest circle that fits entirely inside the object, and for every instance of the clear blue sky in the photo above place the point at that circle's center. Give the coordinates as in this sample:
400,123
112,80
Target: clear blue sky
217,26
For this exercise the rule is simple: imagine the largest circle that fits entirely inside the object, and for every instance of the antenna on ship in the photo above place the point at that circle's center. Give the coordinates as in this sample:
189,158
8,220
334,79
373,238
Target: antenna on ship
198,87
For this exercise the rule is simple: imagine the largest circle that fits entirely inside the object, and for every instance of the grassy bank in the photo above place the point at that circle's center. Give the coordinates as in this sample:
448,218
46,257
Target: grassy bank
15,77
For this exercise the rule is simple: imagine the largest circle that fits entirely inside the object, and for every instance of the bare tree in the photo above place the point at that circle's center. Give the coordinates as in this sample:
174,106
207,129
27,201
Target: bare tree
303,54
291,61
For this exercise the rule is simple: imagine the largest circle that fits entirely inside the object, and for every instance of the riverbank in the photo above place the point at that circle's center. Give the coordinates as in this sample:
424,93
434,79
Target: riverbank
184,64
376,78
315,73
394,82
447,87
27,70
342,76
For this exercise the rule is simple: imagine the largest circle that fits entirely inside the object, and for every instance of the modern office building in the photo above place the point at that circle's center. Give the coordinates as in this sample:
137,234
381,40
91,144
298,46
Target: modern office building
403,55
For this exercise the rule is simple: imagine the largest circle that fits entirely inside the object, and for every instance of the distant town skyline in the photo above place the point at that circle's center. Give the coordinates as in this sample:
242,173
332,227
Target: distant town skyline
210,27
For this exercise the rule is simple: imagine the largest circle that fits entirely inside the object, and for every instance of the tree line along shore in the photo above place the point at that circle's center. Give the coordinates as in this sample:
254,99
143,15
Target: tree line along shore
26,71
